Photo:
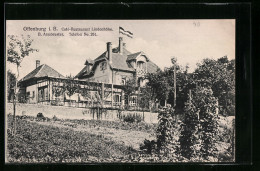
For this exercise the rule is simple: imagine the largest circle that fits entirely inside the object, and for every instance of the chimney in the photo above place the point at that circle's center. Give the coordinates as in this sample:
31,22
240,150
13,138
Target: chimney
120,45
37,63
109,51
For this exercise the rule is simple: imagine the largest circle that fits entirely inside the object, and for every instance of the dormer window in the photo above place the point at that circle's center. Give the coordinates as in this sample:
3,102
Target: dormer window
140,64
103,66
123,81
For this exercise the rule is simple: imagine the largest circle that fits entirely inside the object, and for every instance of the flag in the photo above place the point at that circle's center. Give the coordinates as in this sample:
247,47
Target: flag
126,33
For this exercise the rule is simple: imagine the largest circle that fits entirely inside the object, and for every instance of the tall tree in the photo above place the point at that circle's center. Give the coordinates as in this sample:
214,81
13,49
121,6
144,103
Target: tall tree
160,86
10,85
219,75
189,138
17,49
208,124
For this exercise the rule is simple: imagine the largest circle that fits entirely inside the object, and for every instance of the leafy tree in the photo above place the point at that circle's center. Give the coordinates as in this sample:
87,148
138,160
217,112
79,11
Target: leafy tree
164,130
219,75
85,92
70,86
58,88
145,97
208,125
189,134
129,88
160,87
11,79
17,49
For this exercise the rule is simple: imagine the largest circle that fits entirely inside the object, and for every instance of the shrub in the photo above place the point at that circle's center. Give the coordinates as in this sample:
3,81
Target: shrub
148,145
164,130
189,133
40,117
208,125
55,118
131,118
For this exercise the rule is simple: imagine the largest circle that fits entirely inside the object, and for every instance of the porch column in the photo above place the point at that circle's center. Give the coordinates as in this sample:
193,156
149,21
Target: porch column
102,94
112,100
122,98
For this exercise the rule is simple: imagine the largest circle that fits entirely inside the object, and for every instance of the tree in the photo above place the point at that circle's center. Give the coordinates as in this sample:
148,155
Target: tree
189,134
10,85
160,86
165,87
129,88
70,86
219,75
144,98
17,49
57,88
208,125
165,129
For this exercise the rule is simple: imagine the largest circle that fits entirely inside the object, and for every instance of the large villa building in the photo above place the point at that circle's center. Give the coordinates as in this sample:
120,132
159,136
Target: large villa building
117,65
110,71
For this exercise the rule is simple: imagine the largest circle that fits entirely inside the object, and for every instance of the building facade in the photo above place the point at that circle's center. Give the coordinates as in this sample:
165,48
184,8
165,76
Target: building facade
117,65
103,79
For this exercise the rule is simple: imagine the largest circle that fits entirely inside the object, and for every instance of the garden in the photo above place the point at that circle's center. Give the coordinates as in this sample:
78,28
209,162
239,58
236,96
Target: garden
52,140
196,120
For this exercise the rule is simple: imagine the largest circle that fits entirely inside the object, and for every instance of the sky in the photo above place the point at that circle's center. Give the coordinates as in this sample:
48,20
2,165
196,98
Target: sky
190,41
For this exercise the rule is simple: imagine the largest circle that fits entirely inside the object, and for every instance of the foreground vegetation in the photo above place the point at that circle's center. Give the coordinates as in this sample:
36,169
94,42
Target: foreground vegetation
37,142
49,144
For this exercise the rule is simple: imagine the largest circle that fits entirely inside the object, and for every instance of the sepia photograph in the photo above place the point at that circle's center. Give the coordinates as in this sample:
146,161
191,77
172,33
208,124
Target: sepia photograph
120,91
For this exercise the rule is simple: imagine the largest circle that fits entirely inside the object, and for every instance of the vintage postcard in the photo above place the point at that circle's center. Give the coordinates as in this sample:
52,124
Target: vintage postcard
120,91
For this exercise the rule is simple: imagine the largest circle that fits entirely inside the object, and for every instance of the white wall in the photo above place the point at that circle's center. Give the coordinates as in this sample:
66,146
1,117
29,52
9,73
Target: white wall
102,75
31,89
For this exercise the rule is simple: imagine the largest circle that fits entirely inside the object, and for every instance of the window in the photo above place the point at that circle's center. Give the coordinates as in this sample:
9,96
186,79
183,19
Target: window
117,100
140,64
103,66
123,81
33,94
46,94
28,95
133,101
40,95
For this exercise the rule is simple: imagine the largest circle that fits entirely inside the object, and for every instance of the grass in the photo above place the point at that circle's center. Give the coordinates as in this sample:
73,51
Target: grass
38,141
135,126
35,143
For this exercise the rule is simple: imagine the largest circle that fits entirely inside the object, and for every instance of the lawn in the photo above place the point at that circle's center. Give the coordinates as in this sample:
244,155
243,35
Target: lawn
89,141
38,142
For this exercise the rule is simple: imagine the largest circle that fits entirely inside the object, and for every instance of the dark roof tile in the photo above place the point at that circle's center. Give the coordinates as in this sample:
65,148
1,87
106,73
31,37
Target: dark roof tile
42,71
152,67
119,61
133,55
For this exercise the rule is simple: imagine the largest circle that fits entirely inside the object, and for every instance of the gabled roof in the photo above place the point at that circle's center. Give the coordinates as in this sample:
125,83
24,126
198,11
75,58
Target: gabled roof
119,62
42,71
133,55
152,67
114,50
82,71
89,61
